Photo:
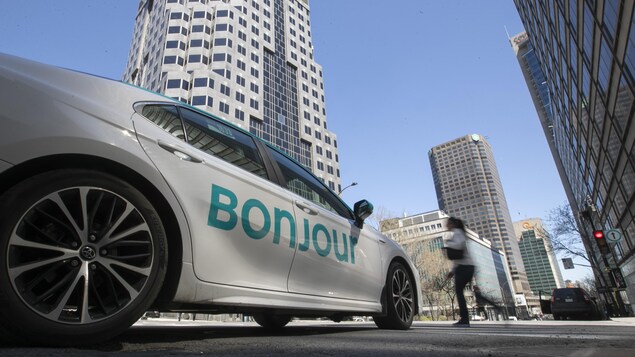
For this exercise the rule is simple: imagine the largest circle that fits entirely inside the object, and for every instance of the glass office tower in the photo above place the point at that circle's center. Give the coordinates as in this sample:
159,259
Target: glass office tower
540,261
586,52
248,62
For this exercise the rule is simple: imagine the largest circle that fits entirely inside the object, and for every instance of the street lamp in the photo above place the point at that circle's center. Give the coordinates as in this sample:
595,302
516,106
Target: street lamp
342,190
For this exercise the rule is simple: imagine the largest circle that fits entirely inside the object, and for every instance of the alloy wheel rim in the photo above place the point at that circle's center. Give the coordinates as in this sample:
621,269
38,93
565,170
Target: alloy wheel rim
402,295
80,255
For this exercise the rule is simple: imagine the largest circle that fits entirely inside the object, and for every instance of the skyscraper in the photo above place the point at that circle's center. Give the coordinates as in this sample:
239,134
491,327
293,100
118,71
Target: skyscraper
585,51
540,261
248,62
468,186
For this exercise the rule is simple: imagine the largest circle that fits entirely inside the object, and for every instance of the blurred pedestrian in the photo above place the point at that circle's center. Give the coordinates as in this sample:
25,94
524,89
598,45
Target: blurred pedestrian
455,244
482,301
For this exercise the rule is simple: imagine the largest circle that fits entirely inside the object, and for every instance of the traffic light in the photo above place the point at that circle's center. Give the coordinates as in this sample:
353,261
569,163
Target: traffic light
601,241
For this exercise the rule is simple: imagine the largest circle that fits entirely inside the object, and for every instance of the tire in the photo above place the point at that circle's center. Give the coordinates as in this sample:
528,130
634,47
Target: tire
272,322
82,256
399,299
556,317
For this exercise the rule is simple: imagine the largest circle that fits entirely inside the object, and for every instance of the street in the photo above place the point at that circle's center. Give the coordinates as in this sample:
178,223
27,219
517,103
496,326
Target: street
156,337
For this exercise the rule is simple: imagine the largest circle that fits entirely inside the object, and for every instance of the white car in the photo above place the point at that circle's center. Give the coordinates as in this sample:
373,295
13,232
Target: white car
116,201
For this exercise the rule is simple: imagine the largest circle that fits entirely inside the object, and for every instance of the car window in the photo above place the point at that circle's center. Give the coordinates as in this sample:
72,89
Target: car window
167,117
301,182
222,141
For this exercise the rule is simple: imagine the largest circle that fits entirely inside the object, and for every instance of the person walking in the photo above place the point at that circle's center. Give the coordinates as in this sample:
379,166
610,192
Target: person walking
455,244
482,301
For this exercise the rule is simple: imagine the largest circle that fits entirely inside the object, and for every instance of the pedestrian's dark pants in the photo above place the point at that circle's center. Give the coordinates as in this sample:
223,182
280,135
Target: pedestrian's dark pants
463,275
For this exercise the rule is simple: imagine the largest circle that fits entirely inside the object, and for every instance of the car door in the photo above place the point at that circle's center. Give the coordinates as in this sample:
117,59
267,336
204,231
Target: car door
221,181
333,257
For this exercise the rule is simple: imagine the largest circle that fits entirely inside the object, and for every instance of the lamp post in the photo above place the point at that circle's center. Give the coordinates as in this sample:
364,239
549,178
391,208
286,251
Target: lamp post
342,190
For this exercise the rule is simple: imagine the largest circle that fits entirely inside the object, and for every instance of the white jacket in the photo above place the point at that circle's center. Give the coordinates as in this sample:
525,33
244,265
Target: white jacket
456,239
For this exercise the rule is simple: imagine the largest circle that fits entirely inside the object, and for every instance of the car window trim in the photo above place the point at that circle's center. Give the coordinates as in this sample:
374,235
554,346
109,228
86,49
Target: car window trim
283,182
272,176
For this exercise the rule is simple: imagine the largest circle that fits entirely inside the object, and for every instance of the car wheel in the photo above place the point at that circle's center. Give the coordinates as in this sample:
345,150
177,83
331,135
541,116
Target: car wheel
400,300
83,256
272,322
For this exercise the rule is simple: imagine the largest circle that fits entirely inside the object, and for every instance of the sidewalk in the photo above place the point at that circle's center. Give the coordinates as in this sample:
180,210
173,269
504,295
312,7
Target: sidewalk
624,320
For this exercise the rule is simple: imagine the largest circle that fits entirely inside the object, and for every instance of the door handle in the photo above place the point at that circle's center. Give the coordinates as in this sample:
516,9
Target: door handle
178,152
306,208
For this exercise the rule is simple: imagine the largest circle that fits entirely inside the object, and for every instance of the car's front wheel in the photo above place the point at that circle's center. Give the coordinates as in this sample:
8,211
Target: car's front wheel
400,300
83,256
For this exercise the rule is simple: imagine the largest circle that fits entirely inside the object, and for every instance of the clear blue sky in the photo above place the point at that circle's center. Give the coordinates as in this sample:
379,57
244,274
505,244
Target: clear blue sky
400,77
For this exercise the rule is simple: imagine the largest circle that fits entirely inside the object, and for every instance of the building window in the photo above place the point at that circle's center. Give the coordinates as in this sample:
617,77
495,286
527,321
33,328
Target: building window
224,89
173,83
173,44
220,57
219,42
173,60
223,27
223,72
222,13
240,80
223,107
202,100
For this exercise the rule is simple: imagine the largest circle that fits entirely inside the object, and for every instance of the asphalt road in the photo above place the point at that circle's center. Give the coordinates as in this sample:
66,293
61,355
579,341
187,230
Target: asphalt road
157,337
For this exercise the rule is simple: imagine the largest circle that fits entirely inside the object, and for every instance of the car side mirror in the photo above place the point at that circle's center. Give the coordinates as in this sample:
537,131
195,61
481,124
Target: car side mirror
362,210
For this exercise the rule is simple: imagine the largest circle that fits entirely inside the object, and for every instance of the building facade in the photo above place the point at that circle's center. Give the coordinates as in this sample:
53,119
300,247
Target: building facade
248,62
541,264
586,53
468,186
424,233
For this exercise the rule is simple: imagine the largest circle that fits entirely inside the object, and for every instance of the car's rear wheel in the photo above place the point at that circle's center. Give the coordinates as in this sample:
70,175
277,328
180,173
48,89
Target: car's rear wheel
83,256
272,322
400,300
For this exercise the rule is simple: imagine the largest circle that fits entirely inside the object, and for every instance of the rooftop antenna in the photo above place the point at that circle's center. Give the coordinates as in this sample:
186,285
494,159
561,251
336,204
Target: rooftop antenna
509,39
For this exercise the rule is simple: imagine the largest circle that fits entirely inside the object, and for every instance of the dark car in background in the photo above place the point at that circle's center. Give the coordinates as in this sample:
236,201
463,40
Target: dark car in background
574,303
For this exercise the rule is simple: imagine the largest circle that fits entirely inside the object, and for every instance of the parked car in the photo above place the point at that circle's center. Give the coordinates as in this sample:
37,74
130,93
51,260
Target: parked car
574,303
116,201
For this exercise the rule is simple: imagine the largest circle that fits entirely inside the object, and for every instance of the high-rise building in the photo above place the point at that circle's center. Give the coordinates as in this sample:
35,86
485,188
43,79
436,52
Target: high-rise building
585,51
541,265
468,186
248,62
423,233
